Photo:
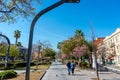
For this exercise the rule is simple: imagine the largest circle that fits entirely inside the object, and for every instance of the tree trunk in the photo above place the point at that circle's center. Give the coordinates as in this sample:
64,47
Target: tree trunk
16,41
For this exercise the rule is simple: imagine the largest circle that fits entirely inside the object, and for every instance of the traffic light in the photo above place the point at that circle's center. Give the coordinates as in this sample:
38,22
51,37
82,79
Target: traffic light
72,1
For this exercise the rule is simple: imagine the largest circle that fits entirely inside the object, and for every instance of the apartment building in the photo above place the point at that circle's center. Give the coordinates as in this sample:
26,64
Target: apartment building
111,46
99,52
97,41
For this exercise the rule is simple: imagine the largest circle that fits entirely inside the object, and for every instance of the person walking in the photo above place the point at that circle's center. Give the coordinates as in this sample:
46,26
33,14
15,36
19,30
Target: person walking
72,67
69,67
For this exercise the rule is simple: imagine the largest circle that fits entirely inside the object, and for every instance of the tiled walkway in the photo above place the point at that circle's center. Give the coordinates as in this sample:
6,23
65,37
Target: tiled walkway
57,71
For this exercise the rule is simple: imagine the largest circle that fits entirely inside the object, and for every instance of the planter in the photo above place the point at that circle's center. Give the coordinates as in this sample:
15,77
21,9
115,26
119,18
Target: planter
95,79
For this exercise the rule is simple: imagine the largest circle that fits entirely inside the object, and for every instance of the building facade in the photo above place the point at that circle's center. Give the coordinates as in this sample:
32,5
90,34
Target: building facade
111,48
97,41
99,52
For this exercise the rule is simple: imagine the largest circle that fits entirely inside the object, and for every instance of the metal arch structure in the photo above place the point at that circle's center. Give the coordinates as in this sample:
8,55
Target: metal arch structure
8,49
39,14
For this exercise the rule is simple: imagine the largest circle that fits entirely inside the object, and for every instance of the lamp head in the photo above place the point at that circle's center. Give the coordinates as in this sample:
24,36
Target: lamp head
72,1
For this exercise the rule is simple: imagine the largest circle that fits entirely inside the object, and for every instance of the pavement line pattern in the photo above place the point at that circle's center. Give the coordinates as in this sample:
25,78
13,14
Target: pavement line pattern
58,71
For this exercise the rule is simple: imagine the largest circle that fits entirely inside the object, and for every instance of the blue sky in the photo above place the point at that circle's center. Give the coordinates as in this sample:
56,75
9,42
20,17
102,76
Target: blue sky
60,23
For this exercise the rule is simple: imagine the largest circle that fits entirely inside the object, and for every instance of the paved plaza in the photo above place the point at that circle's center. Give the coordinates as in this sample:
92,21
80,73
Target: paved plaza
58,71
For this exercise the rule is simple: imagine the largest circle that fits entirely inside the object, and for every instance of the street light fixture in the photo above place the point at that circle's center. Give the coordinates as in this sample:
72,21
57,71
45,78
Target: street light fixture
8,49
72,1
32,29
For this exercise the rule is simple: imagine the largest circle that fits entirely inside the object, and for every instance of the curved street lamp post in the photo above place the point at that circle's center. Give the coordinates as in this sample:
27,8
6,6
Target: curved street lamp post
32,29
8,49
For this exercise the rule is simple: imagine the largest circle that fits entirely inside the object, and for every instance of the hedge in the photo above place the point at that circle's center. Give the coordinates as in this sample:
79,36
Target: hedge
7,74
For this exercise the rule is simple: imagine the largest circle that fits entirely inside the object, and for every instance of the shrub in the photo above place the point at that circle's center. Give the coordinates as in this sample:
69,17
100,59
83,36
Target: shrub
10,64
7,74
2,65
20,64
83,65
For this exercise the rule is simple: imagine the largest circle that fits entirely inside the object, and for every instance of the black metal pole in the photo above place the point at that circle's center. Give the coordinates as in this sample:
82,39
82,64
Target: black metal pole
8,49
31,33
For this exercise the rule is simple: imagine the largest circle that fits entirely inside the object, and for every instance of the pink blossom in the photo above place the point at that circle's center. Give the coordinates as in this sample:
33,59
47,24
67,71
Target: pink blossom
64,56
78,52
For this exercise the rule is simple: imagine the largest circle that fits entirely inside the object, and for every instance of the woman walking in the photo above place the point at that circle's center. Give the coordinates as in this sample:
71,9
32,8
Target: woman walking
72,67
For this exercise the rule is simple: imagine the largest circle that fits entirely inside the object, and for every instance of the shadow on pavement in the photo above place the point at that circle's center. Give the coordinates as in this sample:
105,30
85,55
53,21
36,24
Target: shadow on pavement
58,69
79,75
75,74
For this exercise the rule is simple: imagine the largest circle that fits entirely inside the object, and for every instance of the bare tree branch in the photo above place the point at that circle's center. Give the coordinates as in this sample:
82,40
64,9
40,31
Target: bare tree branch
8,11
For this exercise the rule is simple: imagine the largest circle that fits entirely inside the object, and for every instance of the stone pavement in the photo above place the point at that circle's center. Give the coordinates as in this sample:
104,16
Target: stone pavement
58,71
113,68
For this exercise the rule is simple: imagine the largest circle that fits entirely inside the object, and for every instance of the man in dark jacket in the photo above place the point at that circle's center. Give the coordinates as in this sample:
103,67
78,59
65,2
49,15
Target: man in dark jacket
69,67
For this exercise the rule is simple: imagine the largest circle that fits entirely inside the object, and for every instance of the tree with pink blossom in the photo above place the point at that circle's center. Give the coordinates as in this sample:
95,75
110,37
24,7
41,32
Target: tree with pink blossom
75,47
78,52
63,56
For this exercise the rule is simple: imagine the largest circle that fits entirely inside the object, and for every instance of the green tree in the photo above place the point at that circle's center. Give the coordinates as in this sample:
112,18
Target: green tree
48,52
89,44
14,51
13,9
59,46
39,46
3,48
79,33
79,37
19,44
67,46
17,35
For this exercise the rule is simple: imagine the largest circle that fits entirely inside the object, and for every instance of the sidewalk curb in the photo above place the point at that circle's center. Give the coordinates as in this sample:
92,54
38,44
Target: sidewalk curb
43,75
113,70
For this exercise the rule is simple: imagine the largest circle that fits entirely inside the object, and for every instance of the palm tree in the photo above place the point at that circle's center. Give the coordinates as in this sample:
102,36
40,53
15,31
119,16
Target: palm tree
17,35
19,44
79,37
79,33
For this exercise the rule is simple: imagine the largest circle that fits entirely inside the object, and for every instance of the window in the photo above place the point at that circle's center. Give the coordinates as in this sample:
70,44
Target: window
119,59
